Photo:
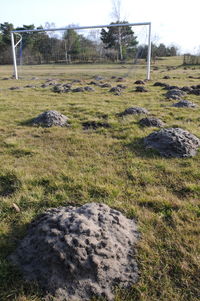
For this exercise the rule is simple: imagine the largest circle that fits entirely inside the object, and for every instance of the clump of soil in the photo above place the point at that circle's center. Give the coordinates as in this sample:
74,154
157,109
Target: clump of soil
134,111
45,85
159,84
171,87
187,89
173,142
50,118
77,253
139,82
140,89
78,81
184,104
93,83
121,86
89,89
68,86
95,125
79,89
151,121
98,77
58,88
105,85
15,88
116,90
120,79
175,94
29,86
195,91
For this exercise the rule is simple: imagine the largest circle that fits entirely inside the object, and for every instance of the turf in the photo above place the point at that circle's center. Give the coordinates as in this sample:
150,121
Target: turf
42,168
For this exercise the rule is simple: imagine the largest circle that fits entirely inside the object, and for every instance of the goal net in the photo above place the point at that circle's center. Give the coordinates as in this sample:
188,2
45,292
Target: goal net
122,48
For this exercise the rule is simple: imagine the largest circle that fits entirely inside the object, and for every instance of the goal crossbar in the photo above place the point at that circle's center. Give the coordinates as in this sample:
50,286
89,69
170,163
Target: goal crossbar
79,28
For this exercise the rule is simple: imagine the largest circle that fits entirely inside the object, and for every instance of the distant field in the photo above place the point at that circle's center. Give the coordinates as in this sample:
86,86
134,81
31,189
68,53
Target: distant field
42,168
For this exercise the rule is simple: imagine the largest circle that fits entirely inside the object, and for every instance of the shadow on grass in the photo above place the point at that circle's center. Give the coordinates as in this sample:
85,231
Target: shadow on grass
12,284
27,122
138,148
9,183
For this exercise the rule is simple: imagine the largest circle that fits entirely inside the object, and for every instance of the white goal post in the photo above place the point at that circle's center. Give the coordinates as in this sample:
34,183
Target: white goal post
14,45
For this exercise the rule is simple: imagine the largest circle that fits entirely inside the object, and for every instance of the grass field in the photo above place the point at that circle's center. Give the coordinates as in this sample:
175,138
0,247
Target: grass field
42,168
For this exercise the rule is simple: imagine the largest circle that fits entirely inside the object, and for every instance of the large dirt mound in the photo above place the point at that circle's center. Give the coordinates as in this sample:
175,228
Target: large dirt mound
151,121
134,111
76,253
184,104
173,142
50,118
175,94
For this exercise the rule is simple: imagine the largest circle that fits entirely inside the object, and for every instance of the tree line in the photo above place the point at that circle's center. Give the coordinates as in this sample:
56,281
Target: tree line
113,44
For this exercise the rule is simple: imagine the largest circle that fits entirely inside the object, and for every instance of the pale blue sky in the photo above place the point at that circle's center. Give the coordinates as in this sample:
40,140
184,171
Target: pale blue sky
173,21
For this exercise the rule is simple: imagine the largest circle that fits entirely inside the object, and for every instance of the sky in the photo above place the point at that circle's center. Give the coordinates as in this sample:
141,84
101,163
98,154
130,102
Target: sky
174,22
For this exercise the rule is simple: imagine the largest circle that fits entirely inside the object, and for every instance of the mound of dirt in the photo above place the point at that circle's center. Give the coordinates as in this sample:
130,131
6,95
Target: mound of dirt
15,88
184,104
151,121
173,142
89,89
134,111
140,89
45,85
171,87
115,89
58,88
29,86
159,84
187,89
175,94
79,89
105,85
195,91
50,118
77,253
121,86
98,77
139,82
120,79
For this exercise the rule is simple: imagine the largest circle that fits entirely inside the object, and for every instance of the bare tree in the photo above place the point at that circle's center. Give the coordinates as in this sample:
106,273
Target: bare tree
116,14
116,10
48,25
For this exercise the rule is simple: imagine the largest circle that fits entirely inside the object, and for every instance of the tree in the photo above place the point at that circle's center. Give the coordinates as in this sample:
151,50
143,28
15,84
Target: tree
173,51
5,42
72,43
5,29
121,40
161,50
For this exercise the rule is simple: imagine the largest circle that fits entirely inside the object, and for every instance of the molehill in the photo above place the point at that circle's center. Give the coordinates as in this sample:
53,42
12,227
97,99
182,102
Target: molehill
75,253
173,142
50,118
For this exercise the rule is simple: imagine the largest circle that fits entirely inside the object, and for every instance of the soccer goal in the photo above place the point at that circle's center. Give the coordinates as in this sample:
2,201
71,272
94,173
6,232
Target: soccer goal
99,44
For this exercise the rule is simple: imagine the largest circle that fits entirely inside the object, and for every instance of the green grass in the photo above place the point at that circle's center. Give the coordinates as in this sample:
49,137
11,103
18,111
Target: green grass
42,168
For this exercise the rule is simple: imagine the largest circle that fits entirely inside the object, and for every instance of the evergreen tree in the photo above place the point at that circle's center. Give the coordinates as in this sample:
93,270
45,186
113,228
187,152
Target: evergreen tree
120,38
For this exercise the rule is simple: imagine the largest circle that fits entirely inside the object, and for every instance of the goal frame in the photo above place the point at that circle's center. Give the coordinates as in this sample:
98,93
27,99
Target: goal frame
14,45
